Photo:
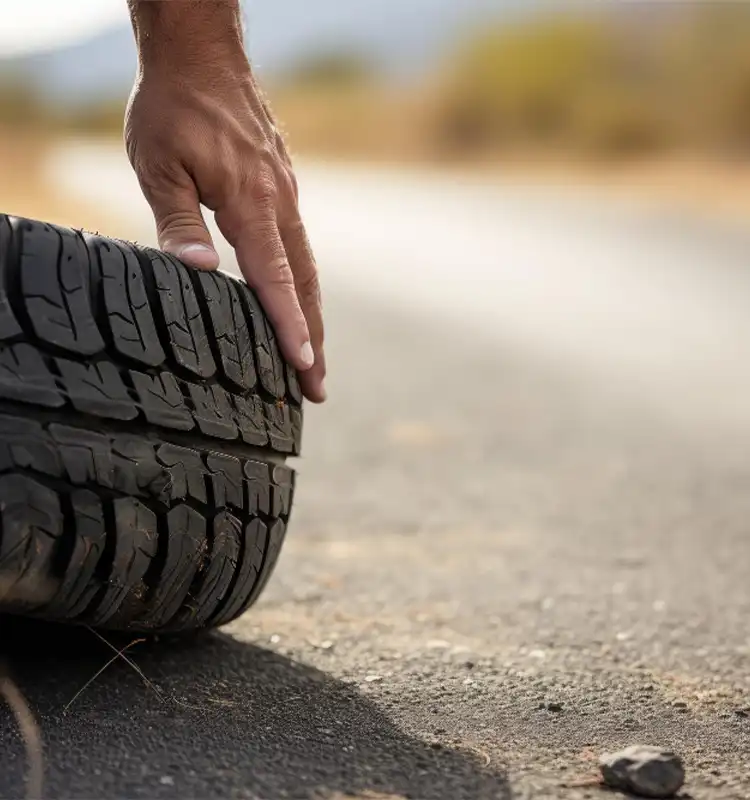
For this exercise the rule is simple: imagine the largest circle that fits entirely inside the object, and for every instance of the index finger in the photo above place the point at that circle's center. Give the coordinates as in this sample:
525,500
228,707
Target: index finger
264,265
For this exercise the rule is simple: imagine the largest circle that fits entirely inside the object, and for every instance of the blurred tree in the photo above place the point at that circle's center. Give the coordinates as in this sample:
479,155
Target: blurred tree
19,104
330,70
520,82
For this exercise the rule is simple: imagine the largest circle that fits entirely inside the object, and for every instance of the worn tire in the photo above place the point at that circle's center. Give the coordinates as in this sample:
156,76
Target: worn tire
145,419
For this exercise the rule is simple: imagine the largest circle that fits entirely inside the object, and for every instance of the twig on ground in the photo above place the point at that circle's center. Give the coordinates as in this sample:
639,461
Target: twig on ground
129,661
30,733
111,661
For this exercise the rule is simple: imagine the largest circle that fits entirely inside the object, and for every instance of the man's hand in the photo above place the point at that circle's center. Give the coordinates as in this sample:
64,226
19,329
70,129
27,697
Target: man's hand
198,132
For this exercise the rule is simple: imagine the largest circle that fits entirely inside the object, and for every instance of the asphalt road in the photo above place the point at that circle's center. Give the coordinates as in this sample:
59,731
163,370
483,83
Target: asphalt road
521,532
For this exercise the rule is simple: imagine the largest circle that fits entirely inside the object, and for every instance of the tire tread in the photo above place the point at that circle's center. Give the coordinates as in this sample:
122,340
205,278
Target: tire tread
145,417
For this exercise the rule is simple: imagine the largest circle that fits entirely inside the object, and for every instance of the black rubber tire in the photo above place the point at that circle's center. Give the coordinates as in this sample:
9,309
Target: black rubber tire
145,419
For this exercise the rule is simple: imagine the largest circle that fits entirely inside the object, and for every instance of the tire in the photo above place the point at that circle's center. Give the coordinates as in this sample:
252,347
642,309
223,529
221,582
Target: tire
146,416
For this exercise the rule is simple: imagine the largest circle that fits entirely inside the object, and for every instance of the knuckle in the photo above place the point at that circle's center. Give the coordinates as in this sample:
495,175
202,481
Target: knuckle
180,223
262,188
294,182
280,275
308,288
290,190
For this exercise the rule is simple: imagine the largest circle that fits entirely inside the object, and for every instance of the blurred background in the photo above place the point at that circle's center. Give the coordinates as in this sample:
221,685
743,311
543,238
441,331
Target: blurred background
652,94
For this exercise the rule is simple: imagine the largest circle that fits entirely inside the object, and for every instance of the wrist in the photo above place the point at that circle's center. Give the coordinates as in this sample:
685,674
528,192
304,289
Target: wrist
193,37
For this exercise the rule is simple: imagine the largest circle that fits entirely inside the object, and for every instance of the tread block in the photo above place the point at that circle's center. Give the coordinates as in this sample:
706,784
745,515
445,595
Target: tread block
136,470
213,411
26,378
185,547
250,417
77,585
279,426
187,472
55,286
258,484
97,389
292,381
182,315
226,481
161,400
31,525
129,316
254,545
216,572
297,426
276,535
86,456
25,444
135,543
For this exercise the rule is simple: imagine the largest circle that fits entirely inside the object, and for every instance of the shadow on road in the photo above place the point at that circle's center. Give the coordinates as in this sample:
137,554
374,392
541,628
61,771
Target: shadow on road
239,722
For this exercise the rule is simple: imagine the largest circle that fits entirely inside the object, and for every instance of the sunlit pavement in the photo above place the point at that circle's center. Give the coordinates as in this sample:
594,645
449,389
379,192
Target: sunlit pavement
521,531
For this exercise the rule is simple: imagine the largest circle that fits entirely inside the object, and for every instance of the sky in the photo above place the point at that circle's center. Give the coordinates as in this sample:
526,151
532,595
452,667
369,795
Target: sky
48,23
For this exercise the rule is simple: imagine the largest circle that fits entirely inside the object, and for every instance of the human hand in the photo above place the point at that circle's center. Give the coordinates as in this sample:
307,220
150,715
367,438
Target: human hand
199,133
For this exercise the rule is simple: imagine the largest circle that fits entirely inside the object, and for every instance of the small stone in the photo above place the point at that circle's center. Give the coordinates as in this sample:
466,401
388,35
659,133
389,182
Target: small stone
644,771
166,780
373,678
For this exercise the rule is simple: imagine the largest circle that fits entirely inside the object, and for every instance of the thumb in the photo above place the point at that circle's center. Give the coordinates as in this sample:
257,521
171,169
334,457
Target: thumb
181,228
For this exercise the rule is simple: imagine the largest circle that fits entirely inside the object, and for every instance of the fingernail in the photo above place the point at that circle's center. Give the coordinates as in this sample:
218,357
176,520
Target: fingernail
306,355
200,255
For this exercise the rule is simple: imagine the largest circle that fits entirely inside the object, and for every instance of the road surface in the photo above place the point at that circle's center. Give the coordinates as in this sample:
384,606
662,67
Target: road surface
521,531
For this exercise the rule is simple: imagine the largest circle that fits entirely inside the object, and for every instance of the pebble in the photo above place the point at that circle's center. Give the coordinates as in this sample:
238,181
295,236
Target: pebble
644,771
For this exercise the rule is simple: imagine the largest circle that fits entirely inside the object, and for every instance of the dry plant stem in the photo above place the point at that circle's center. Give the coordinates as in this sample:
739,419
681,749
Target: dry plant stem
121,653
30,733
91,680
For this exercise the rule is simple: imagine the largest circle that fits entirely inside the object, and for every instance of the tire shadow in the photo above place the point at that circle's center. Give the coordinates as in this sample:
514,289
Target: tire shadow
233,720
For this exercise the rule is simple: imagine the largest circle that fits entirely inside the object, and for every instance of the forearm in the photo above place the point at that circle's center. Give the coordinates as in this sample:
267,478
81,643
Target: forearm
181,34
